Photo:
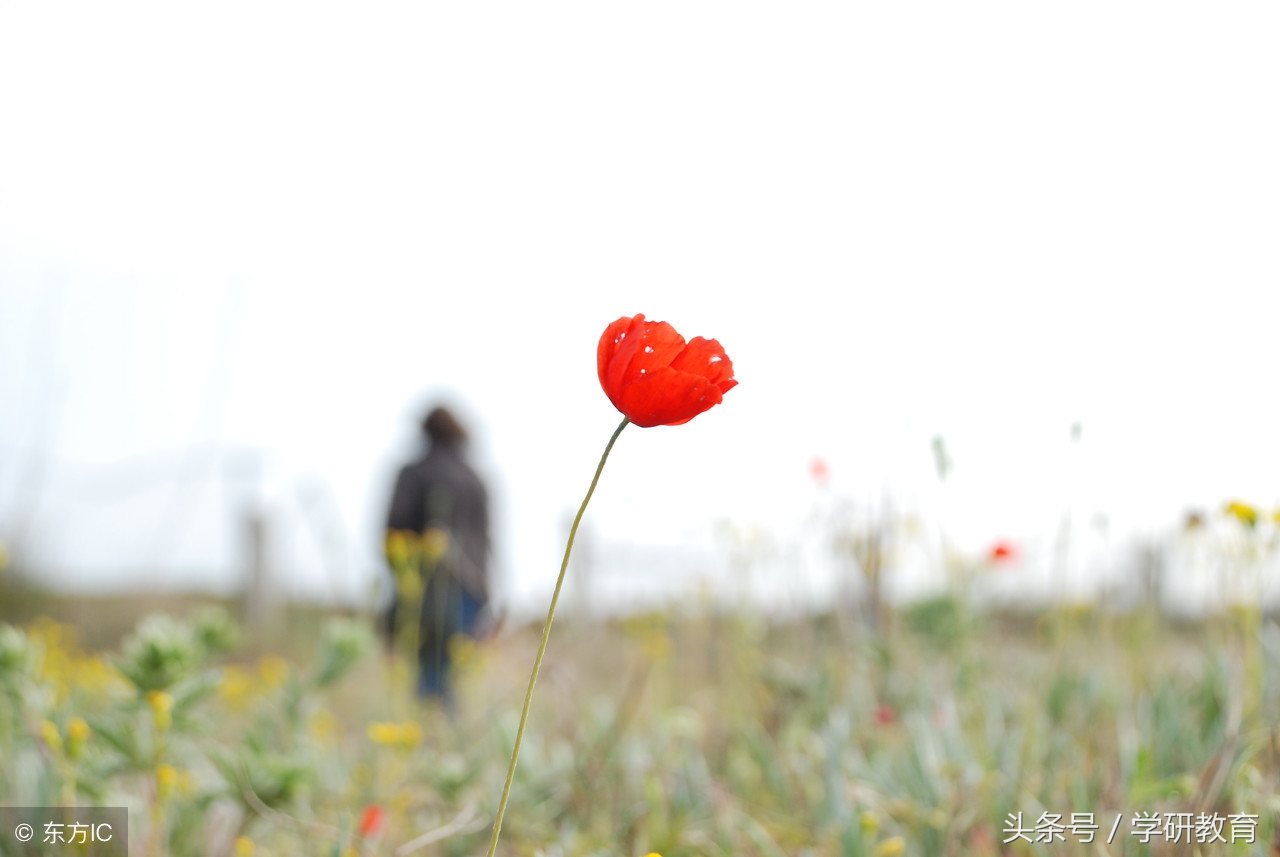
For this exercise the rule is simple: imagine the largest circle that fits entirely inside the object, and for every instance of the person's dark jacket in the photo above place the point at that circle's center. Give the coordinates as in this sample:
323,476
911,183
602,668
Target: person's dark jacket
441,490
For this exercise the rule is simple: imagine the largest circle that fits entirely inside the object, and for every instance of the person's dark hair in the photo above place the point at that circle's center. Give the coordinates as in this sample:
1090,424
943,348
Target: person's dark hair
442,427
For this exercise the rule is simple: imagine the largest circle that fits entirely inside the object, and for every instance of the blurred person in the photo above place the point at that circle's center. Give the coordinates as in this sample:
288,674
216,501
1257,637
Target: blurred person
441,499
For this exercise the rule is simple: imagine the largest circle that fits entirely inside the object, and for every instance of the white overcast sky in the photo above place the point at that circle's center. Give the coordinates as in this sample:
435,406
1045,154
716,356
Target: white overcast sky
270,231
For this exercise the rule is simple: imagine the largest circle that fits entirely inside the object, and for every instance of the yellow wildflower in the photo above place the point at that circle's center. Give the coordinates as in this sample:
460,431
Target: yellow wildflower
171,781
77,734
869,822
383,733
1275,517
462,650
892,847
94,674
350,852
161,708
57,645
400,802
274,670
435,544
244,846
77,729
1245,615
402,547
56,669
656,645
49,732
1242,512
54,635
323,725
410,734
409,583
167,778
407,734
235,686
650,630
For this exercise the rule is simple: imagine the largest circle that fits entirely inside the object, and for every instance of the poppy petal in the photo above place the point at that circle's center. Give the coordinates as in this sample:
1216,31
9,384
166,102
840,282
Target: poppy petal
610,341
647,347
706,357
667,397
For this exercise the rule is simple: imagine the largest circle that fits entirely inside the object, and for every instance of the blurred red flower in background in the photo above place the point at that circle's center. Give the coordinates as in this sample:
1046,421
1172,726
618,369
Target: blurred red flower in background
1002,552
819,470
371,820
655,378
885,715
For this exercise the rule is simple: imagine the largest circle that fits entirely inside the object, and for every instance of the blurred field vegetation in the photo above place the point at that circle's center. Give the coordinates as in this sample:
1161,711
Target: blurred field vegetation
693,734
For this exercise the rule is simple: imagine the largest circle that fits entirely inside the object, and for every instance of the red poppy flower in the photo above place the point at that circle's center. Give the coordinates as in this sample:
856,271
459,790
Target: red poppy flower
1003,552
371,820
655,378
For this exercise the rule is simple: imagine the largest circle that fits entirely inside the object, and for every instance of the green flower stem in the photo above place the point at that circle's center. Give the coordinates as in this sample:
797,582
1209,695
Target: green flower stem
542,646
